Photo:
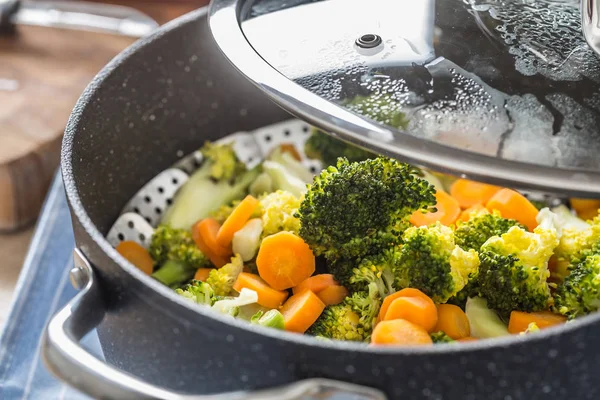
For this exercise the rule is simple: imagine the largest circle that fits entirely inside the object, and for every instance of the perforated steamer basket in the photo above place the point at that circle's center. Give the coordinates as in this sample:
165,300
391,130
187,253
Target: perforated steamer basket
122,161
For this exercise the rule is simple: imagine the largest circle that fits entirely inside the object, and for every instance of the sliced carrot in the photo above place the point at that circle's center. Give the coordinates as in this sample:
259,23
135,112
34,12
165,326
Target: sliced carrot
414,309
208,229
236,220
514,205
408,292
202,274
399,332
284,260
333,295
448,211
316,283
267,296
586,215
137,255
469,193
301,311
291,148
519,320
453,321
468,339
585,205
465,216
218,261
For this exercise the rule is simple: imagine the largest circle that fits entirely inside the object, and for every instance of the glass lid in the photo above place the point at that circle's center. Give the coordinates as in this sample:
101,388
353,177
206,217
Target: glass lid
501,91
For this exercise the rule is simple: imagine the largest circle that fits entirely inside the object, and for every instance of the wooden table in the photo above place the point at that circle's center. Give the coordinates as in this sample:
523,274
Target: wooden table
83,62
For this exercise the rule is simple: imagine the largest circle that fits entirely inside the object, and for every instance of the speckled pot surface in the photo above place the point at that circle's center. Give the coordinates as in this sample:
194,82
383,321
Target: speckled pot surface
163,98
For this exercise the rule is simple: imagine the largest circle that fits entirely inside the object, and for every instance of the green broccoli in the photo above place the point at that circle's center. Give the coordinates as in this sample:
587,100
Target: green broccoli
514,268
482,226
339,322
379,269
222,279
579,293
328,149
361,208
441,337
278,211
578,239
222,176
352,320
223,162
199,292
432,262
176,254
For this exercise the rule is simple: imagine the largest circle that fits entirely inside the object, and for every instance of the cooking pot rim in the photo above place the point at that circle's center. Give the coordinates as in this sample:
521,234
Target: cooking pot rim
90,228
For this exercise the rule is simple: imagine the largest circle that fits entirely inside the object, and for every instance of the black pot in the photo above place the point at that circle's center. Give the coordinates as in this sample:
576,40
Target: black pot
112,147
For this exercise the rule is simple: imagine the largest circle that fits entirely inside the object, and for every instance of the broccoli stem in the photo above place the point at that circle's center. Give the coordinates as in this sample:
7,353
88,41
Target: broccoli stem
173,272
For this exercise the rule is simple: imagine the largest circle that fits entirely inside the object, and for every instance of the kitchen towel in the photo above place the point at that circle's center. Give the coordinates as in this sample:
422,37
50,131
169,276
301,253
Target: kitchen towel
42,289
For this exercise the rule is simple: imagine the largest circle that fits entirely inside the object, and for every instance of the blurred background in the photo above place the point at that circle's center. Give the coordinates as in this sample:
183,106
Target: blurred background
49,52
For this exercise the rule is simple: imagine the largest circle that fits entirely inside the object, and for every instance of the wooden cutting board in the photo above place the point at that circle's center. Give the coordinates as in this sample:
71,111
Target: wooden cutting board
42,73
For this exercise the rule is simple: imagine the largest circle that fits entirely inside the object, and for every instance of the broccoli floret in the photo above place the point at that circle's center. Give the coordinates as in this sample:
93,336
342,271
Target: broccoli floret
579,294
441,337
432,262
482,226
221,175
326,148
578,239
176,254
366,304
379,269
176,244
222,279
231,305
361,208
199,292
278,211
223,162
339,322
514,268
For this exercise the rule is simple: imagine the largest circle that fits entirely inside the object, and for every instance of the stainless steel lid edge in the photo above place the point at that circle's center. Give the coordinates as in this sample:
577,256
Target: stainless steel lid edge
225,26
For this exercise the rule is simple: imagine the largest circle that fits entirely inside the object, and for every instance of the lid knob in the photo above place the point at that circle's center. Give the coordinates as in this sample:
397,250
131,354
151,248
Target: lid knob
368,41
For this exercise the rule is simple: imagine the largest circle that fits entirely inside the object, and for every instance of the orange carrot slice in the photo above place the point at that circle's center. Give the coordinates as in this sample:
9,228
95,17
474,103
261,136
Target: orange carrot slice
452,321
468,339
413,309
408,292
202,274
465,216
137,255
469,193
236,221
514,205
218,261
585,206
519,320
284,260
301,311
333,295
208,229
588,214
448,211
267,296
291,148
315,283
399,332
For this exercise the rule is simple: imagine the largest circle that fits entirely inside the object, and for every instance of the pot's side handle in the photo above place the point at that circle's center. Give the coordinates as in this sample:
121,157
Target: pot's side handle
73,364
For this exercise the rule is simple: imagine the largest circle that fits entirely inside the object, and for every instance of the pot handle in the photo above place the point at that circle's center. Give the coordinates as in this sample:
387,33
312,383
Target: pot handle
70,362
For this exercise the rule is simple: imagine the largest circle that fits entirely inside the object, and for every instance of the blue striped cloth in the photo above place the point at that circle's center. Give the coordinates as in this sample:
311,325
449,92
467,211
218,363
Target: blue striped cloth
42,289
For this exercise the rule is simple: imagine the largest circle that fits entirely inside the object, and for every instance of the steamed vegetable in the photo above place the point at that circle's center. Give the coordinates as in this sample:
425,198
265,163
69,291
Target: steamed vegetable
221,179
355,209
483,321
270,319
247,240
301,311
399,332
222,279
137,255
